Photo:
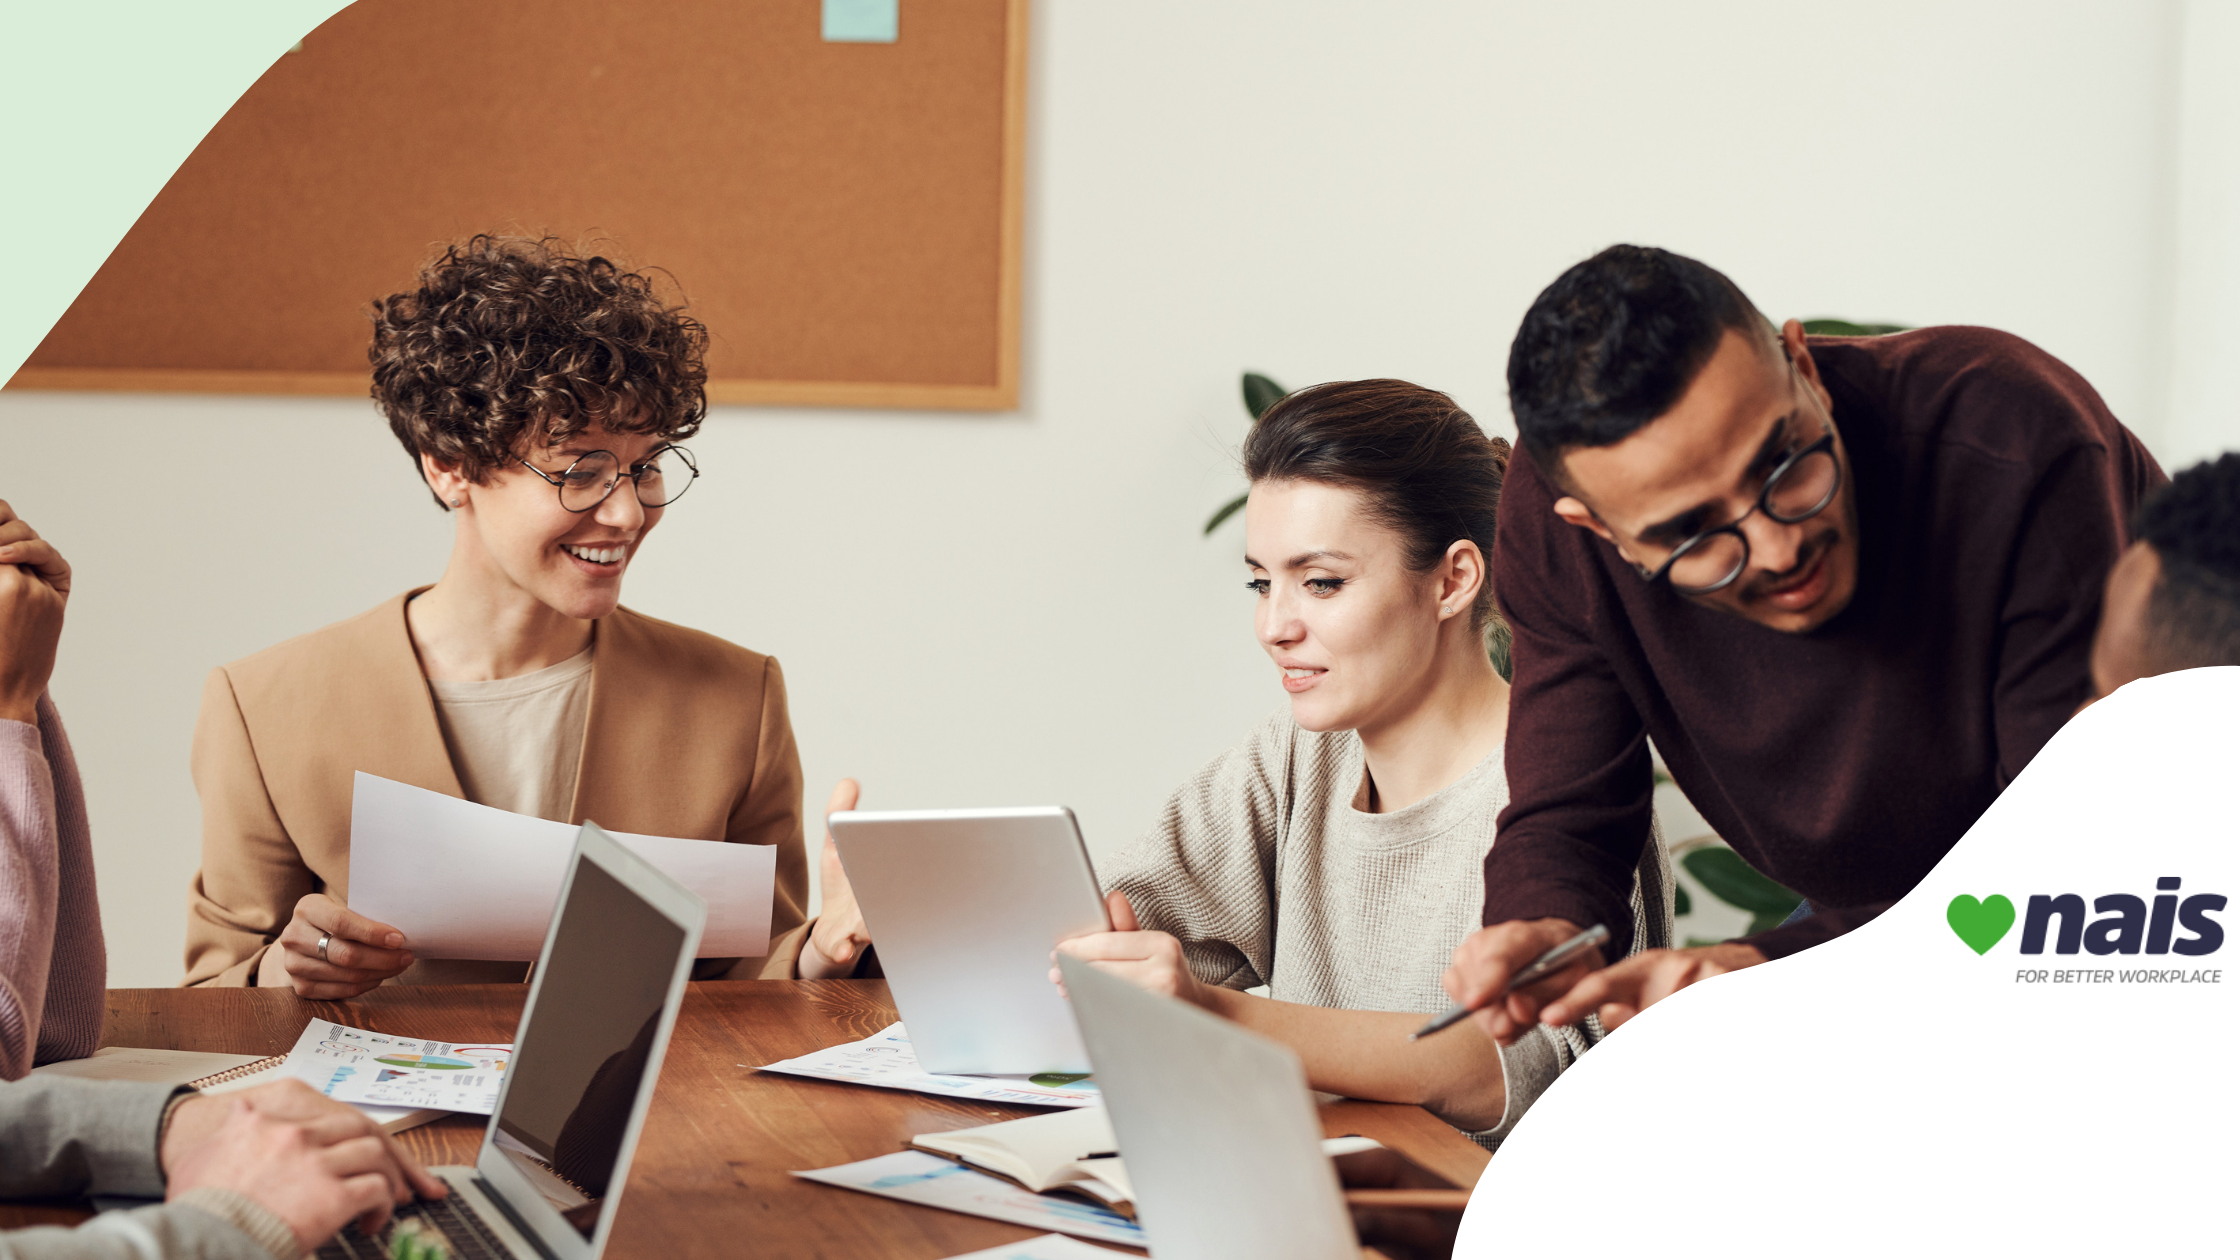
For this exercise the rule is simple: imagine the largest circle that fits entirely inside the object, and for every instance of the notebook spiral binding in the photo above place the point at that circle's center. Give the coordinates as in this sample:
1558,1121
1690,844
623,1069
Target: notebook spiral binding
234,1074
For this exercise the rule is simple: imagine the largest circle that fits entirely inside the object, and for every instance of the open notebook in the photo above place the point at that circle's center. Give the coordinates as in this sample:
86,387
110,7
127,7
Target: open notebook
1065,1152
1070,1152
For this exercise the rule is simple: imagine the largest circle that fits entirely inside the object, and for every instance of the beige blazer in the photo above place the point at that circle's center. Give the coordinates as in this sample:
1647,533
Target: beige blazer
687,736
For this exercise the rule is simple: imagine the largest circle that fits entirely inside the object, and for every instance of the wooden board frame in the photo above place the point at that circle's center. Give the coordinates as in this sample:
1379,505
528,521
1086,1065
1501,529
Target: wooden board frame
1001,396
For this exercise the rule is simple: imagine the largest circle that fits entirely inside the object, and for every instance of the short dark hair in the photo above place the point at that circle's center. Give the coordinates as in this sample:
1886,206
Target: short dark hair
1613,343
1426,468
2193,524
508,339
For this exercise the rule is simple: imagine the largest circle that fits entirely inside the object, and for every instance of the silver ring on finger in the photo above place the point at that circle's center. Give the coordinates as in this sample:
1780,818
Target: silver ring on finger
325,939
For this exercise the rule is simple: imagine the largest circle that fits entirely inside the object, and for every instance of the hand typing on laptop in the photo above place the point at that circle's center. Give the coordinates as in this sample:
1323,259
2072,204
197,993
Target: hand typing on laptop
315,1163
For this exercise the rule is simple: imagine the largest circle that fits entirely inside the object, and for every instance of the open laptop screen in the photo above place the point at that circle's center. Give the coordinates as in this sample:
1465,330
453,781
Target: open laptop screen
581,1054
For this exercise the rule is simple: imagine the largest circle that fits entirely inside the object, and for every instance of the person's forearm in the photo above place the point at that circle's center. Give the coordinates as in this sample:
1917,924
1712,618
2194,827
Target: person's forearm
1366,1054
272,970
66,1136
197,1228
31,879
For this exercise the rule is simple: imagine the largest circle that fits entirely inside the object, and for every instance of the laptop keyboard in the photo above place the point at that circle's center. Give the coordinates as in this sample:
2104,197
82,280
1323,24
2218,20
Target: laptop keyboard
462,1230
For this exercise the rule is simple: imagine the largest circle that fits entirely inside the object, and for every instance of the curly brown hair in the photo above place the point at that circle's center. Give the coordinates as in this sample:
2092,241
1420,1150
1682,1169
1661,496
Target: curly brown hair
510,341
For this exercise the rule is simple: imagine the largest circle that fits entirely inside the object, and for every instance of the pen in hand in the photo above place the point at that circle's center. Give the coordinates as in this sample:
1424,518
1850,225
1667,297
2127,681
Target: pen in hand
1540,969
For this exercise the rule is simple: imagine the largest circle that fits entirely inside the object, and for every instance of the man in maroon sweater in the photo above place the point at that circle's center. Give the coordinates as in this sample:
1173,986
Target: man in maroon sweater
1848,586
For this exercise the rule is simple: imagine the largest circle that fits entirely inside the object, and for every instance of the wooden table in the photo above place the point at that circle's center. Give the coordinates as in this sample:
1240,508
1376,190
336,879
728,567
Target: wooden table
711,1173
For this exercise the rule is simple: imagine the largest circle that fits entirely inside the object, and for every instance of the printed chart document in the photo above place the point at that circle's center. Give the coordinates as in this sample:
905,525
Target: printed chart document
916,1177
885,1059
380,1073
462,880
1047,1247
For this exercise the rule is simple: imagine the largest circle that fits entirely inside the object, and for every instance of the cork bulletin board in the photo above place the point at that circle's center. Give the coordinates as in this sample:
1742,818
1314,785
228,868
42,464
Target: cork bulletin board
843,216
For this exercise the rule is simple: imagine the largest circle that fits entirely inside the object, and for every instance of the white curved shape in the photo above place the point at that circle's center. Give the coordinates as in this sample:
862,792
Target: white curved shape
1891,1089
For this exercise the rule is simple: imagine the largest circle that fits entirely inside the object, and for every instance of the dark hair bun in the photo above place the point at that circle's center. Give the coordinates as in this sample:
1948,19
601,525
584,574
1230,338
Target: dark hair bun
1425,467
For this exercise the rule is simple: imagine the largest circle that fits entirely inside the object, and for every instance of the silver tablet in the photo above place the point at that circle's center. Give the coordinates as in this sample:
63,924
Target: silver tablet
964,906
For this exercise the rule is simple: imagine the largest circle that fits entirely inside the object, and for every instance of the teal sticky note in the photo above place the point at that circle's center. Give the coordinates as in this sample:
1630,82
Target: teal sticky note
862,21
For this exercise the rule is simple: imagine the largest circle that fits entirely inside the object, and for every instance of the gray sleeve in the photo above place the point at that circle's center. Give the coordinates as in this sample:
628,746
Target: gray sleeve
66,1136
184,1230
1205,872
1531,1065
1653,899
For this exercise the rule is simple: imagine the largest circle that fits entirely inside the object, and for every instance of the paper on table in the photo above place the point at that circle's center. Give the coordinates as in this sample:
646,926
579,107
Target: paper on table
916,1177
885,1059
462,880
377,1070
1047,1247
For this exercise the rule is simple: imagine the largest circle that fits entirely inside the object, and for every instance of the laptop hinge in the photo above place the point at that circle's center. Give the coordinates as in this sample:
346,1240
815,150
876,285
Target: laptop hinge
513,1218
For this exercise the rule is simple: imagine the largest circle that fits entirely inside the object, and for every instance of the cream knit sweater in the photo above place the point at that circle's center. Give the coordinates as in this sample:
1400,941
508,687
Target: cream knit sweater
1268,871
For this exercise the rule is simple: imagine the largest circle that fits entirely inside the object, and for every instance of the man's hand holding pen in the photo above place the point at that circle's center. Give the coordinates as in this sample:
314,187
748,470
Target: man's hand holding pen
1488,957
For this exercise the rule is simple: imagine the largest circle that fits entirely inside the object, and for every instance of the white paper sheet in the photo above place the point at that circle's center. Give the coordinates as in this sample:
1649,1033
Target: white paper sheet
462,880
378,1070
1047,1247
916,1177
885,1059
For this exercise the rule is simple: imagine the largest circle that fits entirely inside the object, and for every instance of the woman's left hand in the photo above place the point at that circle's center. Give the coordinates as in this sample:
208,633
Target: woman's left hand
839,937
1147,960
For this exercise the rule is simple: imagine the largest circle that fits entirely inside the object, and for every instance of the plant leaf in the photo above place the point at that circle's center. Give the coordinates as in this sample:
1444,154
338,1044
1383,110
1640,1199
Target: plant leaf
1724,875
1845,328
1680,902
1229,509
1768,922
1498,640
1260,393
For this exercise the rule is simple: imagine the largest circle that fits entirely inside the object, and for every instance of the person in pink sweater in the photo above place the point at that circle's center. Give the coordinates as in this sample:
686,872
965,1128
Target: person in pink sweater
53,968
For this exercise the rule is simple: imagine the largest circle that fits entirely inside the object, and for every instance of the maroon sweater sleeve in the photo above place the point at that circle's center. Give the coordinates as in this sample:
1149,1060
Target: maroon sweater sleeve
1580,781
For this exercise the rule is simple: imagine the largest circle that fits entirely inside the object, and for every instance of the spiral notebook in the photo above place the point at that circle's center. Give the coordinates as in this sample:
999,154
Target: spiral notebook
213,1073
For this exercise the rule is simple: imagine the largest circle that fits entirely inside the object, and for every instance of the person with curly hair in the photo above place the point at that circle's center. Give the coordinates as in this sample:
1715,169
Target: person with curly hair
542,396
2172,601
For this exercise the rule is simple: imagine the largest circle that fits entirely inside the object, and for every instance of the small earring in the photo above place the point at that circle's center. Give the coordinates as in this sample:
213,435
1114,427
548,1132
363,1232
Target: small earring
456,501
1445,611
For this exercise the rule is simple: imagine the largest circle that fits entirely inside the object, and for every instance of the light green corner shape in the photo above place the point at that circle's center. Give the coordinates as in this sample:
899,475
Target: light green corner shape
102,102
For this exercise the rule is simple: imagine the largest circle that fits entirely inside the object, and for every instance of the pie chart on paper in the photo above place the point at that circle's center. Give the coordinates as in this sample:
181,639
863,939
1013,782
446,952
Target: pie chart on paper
436,1062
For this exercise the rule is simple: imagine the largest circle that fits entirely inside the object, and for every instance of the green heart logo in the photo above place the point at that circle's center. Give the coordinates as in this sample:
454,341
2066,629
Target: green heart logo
1980,923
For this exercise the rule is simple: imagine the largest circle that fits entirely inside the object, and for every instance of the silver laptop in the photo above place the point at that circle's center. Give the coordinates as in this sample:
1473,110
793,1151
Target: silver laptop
966,905
1217,1128
605,995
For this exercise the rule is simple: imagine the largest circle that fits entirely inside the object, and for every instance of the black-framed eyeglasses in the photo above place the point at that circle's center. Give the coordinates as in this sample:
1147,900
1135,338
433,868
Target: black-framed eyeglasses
661,478
1799,488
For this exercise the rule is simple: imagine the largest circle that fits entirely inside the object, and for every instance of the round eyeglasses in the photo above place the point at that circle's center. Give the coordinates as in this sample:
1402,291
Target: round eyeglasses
661,478
1799,488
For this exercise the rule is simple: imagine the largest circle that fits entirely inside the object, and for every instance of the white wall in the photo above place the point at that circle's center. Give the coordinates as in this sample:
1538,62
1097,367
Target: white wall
1018,608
